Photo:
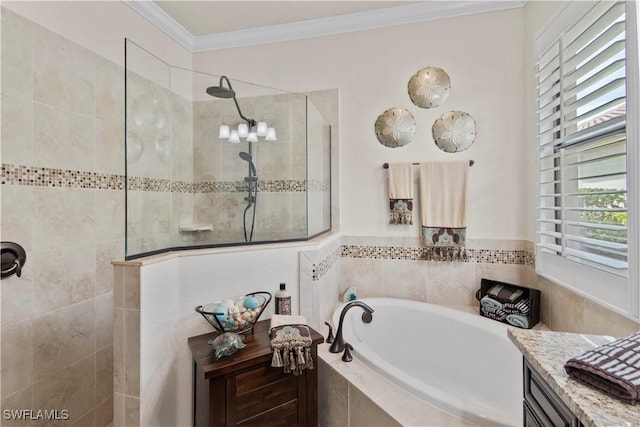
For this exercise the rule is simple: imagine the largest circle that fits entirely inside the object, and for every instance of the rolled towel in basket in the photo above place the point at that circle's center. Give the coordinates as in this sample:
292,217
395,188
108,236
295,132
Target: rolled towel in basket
521,307
613,368
518,320
493,313
489,302
505,293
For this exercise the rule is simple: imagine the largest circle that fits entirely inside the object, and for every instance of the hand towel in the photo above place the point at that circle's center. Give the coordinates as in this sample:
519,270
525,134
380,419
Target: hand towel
443,201
291,343
489,302
613,368
400,193
505,293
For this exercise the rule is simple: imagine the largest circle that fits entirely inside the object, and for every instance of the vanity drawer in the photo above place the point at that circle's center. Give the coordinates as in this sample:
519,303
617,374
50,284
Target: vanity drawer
543,403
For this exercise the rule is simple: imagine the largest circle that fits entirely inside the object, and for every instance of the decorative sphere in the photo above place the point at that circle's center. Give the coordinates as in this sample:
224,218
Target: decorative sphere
251,302
221,312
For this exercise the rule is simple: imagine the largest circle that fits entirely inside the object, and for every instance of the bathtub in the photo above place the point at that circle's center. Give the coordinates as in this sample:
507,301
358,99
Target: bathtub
458,361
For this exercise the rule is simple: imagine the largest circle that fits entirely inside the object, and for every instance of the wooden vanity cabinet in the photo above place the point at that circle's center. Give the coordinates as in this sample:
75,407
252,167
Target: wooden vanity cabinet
541,406
244,390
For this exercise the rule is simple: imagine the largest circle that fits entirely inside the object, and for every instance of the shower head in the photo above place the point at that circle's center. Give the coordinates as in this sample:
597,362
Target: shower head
247,158
228,93
220,91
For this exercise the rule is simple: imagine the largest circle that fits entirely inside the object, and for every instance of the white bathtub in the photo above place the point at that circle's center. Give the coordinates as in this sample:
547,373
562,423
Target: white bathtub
458,361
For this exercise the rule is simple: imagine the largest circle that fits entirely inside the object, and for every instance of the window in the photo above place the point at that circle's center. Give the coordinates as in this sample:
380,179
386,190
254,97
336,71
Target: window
583,238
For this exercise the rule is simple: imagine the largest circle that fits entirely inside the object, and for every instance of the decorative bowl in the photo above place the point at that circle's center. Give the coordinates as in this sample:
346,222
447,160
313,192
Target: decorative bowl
237,314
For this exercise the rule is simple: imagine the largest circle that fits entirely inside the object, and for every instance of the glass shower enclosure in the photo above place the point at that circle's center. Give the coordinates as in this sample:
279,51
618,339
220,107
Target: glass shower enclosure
194,179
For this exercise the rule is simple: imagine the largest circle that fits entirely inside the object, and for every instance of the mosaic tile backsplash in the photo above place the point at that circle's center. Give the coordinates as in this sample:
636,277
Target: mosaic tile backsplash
485,256
49,177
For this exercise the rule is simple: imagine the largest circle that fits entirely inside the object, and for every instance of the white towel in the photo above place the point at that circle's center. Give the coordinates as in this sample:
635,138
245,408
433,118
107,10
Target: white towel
400,193
443,202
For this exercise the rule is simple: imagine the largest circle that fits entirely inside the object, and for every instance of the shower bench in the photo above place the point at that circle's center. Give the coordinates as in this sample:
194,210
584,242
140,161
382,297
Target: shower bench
244,388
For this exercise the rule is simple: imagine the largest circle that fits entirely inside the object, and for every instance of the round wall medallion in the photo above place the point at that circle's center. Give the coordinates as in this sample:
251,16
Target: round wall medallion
429,87
395,127
454,131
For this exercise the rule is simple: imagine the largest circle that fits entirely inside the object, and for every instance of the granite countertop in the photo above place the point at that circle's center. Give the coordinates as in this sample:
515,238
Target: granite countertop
547,352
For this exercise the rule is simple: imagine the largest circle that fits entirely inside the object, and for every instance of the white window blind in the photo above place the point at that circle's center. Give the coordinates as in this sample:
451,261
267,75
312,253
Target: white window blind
582,151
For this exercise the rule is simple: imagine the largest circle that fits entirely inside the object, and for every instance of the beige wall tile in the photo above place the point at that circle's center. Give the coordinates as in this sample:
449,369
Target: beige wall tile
364,274
363,412
72,388
62,277
451,283
404,279
17,401
104,413
118,350
566,310
16,226
17,129
109,142
118,410
17,50
109,215
132,287
132,353
62,139
64,74
63,337
16,298
105,253
109,92
118,286
601,321
104,320
333,397
104,374
131,411
517,274
62,218
17,357
86,420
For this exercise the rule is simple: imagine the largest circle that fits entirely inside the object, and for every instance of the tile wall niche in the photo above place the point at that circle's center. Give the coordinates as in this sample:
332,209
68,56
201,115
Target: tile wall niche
63,201
402,268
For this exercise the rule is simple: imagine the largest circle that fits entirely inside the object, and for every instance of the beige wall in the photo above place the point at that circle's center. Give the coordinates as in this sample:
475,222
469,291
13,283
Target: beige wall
483,56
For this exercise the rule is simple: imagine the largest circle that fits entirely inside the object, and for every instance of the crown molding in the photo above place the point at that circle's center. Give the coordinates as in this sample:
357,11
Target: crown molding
378,18
165,22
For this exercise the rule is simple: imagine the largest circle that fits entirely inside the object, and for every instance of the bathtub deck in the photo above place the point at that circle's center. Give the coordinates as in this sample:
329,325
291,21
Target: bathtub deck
401,406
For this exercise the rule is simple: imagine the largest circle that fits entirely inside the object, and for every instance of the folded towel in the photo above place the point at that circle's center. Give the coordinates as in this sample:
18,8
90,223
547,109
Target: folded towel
400,193
443,195
489,302
291,343
613,368
518,320
505,293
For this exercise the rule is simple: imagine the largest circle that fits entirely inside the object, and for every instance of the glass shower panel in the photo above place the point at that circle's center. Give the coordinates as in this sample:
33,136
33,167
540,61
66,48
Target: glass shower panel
189,185
148,158
318,172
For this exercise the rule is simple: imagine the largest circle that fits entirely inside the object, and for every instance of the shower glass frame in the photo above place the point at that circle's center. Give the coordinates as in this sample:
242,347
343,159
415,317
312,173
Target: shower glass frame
184,187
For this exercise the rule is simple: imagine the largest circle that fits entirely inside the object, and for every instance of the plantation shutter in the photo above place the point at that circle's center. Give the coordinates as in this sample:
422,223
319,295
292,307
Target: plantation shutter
581,132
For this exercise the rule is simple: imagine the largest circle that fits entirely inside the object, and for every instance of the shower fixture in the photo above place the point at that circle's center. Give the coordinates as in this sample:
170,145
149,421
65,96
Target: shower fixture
250,131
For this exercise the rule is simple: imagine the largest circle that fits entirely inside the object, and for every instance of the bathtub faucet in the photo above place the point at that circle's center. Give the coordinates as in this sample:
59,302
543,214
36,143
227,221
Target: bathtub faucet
338,343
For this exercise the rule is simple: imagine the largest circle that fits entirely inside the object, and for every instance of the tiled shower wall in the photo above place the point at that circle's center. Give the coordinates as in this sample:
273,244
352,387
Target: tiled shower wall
402,268
62,199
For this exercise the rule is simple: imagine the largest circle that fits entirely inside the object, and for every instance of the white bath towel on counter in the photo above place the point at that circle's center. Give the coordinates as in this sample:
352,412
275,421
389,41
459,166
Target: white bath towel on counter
443,203
400,193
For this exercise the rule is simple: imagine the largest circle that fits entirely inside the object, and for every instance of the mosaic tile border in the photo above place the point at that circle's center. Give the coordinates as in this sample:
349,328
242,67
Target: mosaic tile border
49,177
478,256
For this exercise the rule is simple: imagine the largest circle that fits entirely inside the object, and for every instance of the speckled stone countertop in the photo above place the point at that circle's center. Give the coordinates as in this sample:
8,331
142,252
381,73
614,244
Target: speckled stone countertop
547,352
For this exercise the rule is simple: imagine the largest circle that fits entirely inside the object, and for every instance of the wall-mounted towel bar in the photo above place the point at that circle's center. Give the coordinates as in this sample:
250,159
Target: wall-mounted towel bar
386,165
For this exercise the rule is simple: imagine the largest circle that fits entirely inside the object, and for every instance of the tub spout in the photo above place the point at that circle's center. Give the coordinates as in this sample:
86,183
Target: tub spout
338,343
